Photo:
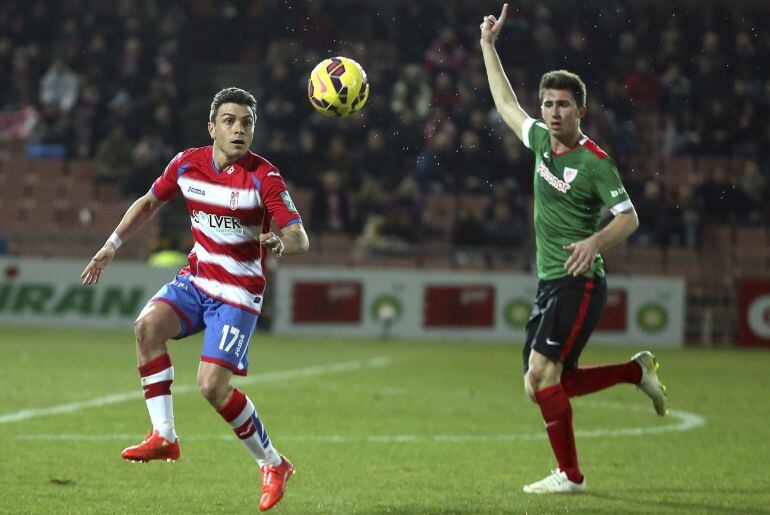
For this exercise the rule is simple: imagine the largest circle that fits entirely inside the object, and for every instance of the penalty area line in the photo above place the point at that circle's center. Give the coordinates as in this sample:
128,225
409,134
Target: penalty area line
297,373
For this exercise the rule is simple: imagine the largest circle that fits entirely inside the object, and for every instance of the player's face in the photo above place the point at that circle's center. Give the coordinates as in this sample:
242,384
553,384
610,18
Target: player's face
232,130
560,112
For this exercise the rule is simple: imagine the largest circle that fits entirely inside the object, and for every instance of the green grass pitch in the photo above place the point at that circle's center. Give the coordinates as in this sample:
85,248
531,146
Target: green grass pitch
375,427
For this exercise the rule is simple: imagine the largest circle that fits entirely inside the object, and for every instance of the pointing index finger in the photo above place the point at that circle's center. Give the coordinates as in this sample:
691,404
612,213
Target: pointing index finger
503,14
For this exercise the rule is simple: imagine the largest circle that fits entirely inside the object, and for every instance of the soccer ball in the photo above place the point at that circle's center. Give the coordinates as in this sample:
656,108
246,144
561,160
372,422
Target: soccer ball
338,87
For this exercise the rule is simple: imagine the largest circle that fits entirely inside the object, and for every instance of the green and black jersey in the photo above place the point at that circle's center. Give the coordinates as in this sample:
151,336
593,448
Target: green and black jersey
570,190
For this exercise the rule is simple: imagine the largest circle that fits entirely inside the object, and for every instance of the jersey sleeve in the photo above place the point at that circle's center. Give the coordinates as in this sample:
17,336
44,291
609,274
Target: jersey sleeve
534,135
277,200
610,188
166,186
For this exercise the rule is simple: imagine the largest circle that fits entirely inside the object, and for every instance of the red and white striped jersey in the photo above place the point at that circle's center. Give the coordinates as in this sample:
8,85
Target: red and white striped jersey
228,210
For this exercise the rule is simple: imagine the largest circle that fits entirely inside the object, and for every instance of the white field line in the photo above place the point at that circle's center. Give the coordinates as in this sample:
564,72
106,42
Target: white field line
311,371
685,421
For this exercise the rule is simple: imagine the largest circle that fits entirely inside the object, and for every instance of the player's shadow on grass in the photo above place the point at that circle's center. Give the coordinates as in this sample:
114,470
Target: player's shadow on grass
683,505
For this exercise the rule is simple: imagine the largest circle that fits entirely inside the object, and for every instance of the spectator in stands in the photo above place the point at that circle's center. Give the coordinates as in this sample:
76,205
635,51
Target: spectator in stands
404,217
654,230
505,220
411,97
331,211
371,201
681,135
59,86
753,187
147,158
446,53
52,130
472,171
340,156
113,159
302,166
618,109
677,88
467,229
646,94
381,162
689,219
445,93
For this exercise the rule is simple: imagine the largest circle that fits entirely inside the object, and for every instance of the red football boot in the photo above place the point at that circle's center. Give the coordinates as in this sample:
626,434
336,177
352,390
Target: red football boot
153,447
274,480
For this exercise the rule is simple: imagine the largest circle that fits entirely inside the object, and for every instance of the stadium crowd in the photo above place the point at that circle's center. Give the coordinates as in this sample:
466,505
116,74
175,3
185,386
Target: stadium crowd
678,94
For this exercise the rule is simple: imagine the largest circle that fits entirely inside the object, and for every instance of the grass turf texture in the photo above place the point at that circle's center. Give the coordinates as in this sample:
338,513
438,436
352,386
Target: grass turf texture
338,426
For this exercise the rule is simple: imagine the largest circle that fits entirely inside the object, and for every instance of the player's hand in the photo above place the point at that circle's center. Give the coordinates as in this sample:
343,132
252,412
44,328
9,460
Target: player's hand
491,26
583,255
99,262
273,242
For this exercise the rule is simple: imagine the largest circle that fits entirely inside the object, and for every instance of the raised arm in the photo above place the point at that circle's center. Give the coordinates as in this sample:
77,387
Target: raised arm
505,99
136,217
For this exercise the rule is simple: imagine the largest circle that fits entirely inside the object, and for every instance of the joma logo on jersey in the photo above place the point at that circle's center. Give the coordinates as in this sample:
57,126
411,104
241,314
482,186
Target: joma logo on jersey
219,223
617,192
551,179
197,191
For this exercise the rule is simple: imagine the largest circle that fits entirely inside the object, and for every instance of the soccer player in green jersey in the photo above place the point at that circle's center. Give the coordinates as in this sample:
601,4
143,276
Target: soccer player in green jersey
574,179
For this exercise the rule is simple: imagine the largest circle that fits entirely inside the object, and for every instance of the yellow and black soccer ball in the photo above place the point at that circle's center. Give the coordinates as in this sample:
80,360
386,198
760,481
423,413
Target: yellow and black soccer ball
338,87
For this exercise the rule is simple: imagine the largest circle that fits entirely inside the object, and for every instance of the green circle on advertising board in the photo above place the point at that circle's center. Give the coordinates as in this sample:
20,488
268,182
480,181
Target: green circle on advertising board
517,313
652,317
386,307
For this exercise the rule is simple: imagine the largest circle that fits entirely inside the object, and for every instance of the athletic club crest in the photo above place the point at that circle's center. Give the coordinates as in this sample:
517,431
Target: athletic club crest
569,174
234,200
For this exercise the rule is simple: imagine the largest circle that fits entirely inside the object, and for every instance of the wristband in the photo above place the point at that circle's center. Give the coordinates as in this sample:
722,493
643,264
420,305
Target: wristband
115,240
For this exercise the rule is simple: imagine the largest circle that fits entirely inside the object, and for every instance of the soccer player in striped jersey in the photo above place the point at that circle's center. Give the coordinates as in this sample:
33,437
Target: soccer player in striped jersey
573,179
232,197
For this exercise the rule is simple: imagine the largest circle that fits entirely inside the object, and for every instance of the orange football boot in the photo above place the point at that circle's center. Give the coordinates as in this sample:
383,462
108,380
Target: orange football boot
274,480
153,447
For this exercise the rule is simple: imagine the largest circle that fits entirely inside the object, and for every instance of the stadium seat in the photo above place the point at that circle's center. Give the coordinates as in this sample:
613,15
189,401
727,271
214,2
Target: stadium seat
684,262
616,258
718,238
303,199
646,260
678,170
752,240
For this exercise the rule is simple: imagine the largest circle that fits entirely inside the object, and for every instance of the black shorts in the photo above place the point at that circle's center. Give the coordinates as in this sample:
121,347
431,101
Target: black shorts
565,313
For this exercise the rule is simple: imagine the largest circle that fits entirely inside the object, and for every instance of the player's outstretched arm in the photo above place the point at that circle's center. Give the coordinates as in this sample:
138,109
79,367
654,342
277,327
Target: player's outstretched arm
505,99
293,240
136,217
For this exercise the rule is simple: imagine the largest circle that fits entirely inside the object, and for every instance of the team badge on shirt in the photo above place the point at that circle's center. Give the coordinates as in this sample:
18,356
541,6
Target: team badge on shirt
234,200
570,174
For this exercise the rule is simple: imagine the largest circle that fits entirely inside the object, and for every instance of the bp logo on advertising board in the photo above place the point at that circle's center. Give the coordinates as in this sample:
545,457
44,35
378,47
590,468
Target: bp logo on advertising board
758,316
386,308
516,313
652,317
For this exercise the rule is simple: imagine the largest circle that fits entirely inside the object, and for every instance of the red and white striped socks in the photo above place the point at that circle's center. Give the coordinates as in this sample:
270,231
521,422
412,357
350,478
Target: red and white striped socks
157,376
239,412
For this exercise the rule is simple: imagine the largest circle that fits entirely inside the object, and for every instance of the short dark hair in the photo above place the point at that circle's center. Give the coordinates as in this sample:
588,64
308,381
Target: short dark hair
562,79
235,96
